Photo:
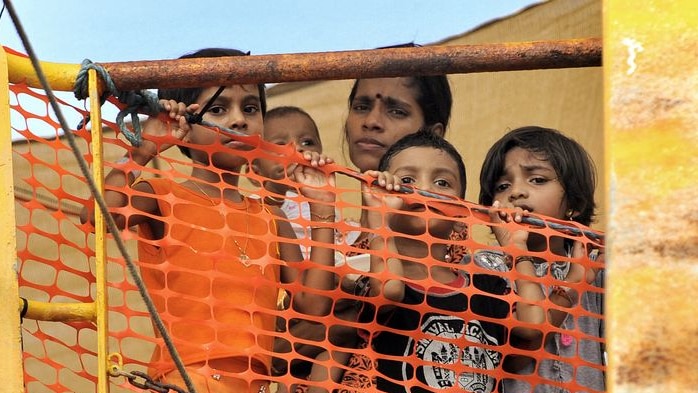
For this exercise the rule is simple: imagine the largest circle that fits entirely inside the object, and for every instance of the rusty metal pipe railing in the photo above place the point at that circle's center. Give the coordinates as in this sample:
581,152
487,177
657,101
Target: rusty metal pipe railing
427,60
375,63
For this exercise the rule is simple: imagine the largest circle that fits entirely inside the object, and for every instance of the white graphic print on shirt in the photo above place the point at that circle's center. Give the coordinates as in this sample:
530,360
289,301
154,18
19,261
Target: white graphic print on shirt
447,352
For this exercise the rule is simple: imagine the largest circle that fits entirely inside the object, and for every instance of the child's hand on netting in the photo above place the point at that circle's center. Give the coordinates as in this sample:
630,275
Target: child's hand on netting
315,183
385,181
376,194
177,111
161,133
316,159
504,213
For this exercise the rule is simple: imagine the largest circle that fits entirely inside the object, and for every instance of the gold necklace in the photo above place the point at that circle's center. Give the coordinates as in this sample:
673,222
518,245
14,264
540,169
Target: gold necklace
244,258
196,184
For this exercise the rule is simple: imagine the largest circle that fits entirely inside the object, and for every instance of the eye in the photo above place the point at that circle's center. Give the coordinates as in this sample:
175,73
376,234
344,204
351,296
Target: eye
407,180
443,183
398,112
360,108
216,110
251,109
307,142
539,180
361,105
501,187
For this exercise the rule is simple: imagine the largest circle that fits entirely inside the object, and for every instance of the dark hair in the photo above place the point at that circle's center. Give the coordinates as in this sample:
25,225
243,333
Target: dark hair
425,137
573,166
286,110
189,95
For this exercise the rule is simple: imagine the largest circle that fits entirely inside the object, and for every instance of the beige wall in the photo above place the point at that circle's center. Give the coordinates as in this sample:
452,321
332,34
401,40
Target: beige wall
486,105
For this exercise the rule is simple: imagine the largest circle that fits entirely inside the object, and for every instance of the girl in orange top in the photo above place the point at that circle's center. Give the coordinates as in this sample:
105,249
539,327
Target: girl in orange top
212,258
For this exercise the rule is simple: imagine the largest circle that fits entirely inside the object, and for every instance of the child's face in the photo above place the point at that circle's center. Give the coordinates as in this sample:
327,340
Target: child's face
383,111
431,170
238,108
282,130
530,183
293,127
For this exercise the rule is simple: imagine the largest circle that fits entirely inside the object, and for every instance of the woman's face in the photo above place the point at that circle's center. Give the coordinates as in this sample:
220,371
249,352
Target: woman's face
382,111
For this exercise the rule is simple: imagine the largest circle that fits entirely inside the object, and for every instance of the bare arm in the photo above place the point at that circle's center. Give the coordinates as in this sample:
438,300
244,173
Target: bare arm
314,185
393,289
529,291
118,179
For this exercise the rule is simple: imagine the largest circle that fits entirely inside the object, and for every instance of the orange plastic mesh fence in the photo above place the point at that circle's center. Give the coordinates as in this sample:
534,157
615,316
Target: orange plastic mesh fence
223,310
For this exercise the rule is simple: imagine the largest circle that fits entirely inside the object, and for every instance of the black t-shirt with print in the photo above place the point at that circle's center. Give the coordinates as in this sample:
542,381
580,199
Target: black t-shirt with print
456,327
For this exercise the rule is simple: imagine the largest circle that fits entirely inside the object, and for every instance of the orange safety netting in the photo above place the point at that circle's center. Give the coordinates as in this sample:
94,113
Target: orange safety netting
214,302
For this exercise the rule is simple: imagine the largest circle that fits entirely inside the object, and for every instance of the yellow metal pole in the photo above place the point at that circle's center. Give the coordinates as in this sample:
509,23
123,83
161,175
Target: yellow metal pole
11,373
651,100
100,238
61,76
57,312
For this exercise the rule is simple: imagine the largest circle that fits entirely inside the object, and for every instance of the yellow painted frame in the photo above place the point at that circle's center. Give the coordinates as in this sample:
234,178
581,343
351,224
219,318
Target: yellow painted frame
651,131
16,69
11,373
101,296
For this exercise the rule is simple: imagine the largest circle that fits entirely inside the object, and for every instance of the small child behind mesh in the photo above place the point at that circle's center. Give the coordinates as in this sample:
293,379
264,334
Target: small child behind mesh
536,170
427,334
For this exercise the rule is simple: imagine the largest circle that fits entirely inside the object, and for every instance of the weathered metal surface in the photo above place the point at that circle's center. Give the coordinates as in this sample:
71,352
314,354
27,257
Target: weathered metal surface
374,63
10,340
101,290
59,312
650,58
